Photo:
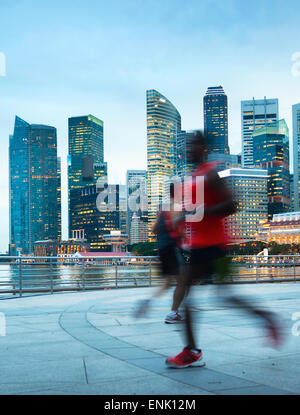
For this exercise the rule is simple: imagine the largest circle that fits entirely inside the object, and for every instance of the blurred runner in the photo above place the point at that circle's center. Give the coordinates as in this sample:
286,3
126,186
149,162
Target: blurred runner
207,241
169,230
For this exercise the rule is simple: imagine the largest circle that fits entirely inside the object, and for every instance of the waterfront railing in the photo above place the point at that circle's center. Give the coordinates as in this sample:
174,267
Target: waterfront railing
28,275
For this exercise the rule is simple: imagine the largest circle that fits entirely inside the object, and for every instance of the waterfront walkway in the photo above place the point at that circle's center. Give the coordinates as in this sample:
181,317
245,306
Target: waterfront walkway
88,343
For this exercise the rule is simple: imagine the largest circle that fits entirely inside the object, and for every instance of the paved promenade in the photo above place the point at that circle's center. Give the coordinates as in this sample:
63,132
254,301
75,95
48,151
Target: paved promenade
88,343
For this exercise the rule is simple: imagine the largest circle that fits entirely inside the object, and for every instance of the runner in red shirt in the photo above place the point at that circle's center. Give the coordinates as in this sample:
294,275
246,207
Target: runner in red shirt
168,231
207,241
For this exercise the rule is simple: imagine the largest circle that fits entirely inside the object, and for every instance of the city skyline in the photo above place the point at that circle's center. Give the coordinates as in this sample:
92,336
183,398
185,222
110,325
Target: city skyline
50,78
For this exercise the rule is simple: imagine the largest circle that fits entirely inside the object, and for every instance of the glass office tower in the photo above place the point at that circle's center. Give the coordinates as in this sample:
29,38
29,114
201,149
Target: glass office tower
59,229
86,155
183,146
296,154
163,124
90,224
249,190
136,184
85,148
255,113
19,187
33,185
216,119
123,208
271,152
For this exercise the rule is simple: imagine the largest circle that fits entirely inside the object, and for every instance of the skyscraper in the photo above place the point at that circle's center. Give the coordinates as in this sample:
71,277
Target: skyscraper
87,221
86,147
59,229
136,181
86,155
292,194
19,187
138,230
33,185
249,190
271,152
255,113
183,144
123,208
216,119
296,154
163,124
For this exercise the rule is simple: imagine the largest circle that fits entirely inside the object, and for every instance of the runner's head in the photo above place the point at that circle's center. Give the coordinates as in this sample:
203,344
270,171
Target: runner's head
197,152
172,191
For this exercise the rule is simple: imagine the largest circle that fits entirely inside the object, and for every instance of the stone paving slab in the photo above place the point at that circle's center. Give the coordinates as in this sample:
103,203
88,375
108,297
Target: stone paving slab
147,385
287,380
70,370
254,390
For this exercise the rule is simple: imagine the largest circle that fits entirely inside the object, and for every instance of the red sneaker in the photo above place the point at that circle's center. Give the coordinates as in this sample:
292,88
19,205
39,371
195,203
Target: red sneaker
185,359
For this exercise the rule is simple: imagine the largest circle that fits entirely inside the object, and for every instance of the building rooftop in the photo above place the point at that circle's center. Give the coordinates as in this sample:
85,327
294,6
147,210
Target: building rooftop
215,90
102,254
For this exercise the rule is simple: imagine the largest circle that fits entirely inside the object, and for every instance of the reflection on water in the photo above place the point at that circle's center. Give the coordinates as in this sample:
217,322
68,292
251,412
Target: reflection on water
66,275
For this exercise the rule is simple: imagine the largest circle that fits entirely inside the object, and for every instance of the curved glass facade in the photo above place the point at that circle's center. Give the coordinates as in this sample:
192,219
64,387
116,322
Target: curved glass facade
163,124
34,184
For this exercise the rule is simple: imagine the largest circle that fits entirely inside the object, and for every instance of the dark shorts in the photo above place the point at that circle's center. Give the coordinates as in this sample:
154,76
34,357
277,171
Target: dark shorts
202,263
170,262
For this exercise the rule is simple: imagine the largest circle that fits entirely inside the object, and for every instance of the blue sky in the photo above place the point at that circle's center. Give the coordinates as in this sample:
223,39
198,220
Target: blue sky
66,58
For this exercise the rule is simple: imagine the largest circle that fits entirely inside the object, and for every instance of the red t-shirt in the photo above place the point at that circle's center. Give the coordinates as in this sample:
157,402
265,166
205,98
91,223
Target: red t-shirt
210,231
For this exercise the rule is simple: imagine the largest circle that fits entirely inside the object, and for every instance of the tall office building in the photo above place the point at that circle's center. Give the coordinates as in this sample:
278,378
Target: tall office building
137,203
138,230
183,147
292,194
89,223
249,190
163,124
86,155
59,229
271,152
123,208
255,113
216,119
296,154
85,148
33,185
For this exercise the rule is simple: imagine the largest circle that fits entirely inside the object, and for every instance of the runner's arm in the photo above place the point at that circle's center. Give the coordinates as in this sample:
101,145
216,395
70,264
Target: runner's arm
227,206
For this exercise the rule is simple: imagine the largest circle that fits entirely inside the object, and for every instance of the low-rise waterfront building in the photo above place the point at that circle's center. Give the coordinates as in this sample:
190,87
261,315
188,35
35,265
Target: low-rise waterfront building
284,228
54,248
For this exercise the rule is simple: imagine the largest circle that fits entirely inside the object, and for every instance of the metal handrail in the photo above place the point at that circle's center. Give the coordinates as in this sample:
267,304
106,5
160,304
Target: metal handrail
84,276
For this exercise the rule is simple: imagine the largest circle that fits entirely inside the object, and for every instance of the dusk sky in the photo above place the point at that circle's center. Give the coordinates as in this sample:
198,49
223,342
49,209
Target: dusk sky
66,58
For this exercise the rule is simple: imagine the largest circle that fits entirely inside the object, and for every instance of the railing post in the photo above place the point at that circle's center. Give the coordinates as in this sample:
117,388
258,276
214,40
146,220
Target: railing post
294,268
51,275
116,273
255,264
150,272
82,274
20,277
